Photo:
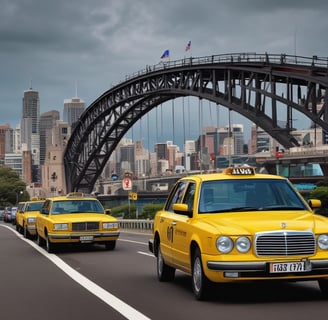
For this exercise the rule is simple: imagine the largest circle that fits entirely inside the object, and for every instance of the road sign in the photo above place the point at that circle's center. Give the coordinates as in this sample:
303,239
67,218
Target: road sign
127,184
133,196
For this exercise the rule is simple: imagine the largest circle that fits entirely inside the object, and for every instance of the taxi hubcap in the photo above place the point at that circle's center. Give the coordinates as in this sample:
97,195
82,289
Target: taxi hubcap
197,274
160,262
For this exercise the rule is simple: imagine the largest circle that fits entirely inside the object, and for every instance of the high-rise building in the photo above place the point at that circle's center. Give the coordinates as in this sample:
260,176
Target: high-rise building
30,129
190,148
53,173
73,108
47,122
3,137
238,138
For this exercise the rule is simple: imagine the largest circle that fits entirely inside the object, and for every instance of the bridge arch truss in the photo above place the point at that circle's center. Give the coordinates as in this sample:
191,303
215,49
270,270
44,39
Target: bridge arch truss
245,83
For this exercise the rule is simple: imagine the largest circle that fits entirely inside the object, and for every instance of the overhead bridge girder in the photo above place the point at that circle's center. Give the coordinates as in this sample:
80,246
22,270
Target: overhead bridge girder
258,86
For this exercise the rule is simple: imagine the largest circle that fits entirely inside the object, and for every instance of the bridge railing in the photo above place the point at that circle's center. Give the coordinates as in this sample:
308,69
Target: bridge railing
248,57
136,224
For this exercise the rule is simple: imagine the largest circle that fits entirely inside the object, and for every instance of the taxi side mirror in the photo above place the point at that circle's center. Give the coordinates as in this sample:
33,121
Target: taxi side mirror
314,203
182,208
108,211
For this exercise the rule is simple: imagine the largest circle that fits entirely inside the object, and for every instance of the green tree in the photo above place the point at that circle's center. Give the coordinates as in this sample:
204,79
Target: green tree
321,193
12,188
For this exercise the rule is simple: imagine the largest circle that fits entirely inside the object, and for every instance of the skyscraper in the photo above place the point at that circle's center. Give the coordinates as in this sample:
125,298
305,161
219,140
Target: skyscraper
30,129
47,123
73,108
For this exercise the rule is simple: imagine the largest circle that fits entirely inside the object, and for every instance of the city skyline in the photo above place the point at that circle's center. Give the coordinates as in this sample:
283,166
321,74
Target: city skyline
157,125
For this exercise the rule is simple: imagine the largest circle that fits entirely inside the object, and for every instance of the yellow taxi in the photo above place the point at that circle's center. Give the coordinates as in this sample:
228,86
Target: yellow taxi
239,226
19,216
26,217
75,218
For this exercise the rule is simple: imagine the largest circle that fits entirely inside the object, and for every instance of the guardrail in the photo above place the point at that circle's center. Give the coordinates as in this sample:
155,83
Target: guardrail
248,57
137,224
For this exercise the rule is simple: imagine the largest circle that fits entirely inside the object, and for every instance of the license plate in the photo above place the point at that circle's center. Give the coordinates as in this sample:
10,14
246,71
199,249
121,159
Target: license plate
86,238
283,267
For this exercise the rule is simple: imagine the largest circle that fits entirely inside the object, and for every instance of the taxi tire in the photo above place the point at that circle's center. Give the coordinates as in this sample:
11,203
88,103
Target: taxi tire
110,245
165,273
26,234
200,284
323,285
19,229
39,240
50,247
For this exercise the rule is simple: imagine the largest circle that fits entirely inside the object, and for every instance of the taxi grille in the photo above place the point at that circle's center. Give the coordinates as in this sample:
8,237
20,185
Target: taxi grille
85,226
286,243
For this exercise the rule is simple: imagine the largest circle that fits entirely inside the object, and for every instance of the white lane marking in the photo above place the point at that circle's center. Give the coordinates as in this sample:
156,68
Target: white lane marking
115,303
146,254
132,241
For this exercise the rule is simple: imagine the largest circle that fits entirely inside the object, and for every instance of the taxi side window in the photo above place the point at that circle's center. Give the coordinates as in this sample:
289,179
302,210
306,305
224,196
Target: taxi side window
176,196
189,196
45,207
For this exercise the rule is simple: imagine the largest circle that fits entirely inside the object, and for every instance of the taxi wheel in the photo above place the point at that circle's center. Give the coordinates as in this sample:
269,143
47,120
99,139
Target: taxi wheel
26,233
200,284
39,240
110,245
323,285
50,247
20,229
164,272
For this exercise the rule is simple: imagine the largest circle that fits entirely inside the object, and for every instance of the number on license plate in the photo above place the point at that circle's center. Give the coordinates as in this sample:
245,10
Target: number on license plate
282,267
86,238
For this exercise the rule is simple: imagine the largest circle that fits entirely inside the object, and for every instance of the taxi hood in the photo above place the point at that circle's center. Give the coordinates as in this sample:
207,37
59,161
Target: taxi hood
243,223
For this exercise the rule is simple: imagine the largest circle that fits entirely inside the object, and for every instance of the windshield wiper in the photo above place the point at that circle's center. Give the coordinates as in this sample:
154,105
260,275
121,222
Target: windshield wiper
237,209
277,207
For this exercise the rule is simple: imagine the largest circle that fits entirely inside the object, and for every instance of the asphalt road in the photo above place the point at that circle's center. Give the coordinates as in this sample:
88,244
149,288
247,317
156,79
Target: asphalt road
92,283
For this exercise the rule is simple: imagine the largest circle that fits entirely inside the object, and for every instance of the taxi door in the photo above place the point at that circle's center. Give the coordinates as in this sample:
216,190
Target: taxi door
182,229
19,216
42,218
167,221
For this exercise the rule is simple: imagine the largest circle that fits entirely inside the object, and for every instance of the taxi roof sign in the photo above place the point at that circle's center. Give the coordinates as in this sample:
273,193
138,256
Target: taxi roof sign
240,171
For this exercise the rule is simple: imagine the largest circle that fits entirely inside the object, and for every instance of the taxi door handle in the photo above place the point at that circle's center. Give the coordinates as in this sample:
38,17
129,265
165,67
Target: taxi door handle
174,223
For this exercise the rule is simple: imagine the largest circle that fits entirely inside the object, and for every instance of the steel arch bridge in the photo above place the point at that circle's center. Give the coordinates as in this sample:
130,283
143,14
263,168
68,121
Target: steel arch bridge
247,83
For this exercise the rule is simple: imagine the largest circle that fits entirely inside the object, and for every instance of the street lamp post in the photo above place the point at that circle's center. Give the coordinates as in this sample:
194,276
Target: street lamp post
17,195
54,178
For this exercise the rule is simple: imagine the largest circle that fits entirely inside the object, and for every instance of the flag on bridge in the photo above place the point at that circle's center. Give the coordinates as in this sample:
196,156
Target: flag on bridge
166,54
188,46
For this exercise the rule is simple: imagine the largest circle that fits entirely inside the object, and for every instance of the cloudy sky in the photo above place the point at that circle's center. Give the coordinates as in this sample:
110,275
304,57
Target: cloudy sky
60,45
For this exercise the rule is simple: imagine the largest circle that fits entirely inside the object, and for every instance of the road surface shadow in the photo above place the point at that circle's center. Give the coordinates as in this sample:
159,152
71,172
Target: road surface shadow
259,291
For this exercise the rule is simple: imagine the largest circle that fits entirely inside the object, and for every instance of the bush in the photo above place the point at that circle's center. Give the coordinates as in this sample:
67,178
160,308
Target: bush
149,210
125,211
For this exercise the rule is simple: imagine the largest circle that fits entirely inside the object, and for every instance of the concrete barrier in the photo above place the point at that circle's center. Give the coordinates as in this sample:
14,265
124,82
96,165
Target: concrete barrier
137,224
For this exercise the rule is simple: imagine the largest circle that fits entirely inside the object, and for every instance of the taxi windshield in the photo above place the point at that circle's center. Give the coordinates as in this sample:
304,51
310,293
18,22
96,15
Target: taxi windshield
248,195
34,206
76,206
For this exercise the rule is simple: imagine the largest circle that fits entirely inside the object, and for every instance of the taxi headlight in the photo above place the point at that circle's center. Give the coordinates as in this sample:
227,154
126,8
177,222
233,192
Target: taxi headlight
323,242
110,225
60,226
243,244
224,244
31,220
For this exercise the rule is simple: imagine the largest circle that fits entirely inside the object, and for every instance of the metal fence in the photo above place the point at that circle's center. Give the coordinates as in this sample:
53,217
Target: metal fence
136,224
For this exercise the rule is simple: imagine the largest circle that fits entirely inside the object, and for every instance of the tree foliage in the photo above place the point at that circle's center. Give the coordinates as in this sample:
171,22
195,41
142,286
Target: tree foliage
321,193
12,188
